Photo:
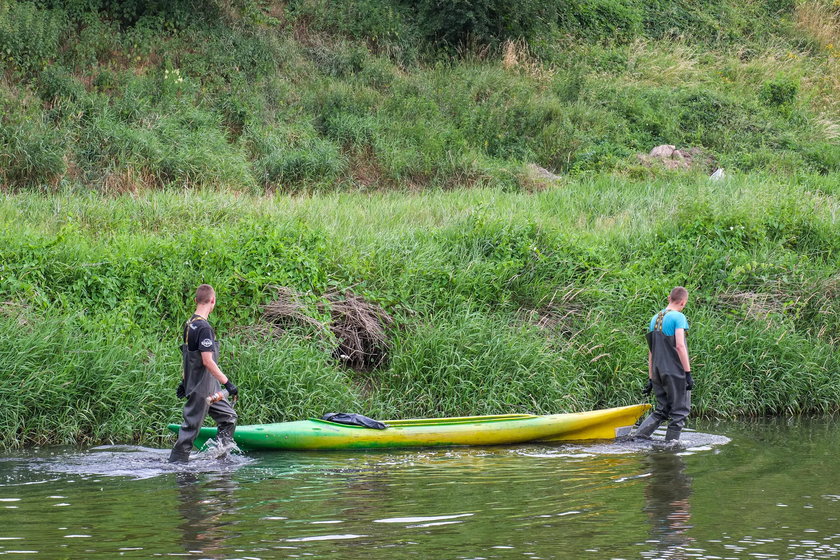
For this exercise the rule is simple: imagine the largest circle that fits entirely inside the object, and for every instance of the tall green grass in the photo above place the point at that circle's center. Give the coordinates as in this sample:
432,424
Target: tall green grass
503,301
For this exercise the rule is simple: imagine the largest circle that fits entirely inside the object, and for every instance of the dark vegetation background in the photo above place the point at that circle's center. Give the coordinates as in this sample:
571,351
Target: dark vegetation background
384,147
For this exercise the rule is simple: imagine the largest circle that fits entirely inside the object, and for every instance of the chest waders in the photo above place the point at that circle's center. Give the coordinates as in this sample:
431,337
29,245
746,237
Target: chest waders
200,384
672,399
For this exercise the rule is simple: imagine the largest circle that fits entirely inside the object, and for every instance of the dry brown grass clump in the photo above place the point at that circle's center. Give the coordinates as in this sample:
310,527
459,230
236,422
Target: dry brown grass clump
17,310
754,305
821,19
516,56
561,315
812,305
357,328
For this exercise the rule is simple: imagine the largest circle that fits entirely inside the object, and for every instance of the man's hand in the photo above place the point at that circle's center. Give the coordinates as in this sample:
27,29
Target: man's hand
232,389
648,388
689,382
181,391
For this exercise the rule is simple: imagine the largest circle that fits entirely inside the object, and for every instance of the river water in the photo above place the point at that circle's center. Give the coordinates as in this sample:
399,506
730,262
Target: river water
757,490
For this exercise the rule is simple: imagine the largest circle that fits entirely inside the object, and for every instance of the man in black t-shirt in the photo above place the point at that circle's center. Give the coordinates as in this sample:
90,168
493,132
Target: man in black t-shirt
202,378
199,334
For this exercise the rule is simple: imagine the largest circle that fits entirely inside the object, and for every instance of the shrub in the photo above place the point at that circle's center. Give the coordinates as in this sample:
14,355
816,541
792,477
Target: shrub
187,147
56,84
29,36
706,109
219,57
822,157
384,25
31,155
779,92
293,156
341,60
171,14
94,39
601,19
664,18
487,22
31,148
469,363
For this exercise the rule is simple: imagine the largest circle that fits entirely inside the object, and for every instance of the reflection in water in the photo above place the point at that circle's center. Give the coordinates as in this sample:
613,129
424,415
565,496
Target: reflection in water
667,503
203,508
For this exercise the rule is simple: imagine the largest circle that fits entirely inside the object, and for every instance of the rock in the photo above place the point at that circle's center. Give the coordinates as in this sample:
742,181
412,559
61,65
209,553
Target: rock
663,151
718,175
541,173
671,158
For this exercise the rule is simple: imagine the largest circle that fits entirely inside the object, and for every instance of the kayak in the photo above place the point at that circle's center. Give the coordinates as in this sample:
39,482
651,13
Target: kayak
434,432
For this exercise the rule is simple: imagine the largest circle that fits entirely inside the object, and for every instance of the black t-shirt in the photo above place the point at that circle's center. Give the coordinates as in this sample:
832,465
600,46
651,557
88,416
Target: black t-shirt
200,335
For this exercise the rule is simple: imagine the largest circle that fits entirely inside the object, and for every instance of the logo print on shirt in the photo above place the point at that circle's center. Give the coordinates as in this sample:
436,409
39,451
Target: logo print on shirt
207,343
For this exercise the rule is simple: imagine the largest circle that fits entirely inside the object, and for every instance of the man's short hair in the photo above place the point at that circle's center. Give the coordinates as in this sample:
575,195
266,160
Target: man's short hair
678,294
204,293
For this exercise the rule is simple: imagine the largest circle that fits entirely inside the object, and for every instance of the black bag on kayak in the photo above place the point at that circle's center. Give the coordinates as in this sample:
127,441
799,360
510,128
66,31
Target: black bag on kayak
352,419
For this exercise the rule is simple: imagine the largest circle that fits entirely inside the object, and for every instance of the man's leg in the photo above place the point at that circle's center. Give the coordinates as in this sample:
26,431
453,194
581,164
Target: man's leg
680,405
194,412
659,414
224,415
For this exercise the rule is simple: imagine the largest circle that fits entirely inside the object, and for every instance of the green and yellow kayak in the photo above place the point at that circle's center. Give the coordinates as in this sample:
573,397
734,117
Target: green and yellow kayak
434,432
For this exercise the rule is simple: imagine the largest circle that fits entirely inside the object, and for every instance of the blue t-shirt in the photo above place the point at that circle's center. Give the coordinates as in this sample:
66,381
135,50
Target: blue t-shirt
672,321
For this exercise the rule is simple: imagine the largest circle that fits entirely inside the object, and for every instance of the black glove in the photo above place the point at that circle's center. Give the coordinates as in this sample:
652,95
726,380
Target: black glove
232,389
689,382
181,391
648,388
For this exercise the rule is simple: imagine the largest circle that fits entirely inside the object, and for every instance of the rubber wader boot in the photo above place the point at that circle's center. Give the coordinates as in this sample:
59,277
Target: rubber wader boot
176,456
673,432
225,433
647,427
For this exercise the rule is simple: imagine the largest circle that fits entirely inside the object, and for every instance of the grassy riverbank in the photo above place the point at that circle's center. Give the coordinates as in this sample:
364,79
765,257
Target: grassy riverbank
503,302
399,150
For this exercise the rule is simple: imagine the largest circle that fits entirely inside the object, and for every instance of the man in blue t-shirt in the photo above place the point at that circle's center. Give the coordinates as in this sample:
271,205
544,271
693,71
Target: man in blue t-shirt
669,370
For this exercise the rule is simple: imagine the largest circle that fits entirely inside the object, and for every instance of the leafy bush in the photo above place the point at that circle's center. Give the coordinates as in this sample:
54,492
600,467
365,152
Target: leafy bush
31,149
56,84
172,14
823,157
780,92
607,20
29,36
385,25
456,22
294,156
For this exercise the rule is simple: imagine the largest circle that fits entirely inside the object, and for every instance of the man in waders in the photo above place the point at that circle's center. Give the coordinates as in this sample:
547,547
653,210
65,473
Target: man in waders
202,378
669,371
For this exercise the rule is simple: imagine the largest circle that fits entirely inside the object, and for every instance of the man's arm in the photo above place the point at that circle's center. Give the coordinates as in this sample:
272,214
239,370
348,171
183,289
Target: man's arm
682,349
212,367
650,365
